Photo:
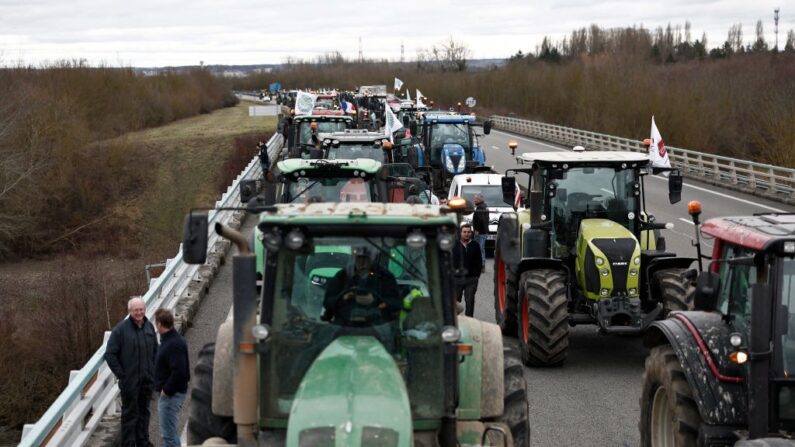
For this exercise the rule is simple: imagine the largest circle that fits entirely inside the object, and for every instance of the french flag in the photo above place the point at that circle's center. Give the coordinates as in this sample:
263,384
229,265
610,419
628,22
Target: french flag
346,106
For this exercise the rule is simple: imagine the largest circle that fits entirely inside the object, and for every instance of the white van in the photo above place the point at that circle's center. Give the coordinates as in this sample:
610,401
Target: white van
489,185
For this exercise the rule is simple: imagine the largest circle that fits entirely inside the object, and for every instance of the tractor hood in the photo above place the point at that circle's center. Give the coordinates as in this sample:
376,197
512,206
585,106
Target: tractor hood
353,395
454,158
608,260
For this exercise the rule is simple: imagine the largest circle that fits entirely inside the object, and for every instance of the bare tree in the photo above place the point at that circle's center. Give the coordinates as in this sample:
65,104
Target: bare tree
760,46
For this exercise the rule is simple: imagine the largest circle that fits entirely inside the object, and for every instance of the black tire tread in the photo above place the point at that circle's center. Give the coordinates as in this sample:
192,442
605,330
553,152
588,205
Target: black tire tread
516,409
675,290
663,368
548,318
202,423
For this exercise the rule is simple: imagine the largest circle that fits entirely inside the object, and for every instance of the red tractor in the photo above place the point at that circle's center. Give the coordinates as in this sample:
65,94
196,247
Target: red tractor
724,374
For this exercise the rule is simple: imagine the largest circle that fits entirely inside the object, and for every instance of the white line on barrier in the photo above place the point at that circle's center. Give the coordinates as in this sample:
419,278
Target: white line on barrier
776,210
685,220
529,140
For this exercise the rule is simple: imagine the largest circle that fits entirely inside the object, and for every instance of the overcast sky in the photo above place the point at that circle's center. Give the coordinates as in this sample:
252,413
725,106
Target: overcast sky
178,32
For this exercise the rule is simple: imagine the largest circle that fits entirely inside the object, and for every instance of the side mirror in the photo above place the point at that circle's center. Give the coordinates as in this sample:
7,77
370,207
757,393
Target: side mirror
194,238
248,189
405,121
674,187
707,289
487,127
508,189
413,128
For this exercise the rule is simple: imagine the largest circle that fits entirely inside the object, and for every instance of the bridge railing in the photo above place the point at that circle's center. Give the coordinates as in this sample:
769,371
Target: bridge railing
92,390
774,182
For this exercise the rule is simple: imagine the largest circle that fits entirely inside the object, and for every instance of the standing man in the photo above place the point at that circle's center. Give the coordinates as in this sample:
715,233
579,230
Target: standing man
468,263
172,373
131,356
480,223
264,158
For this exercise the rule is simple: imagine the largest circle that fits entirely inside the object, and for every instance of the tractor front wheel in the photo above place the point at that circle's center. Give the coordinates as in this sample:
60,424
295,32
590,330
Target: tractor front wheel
668,412
504,295
544,325
674,289
203,424
515,412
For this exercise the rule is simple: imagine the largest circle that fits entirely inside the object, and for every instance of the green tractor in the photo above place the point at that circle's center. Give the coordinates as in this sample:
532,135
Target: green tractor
583,251
354,339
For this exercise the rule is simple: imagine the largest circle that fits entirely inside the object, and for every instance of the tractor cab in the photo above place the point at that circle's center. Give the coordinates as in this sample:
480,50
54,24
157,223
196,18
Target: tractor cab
303,130
736,351
354,339
450,145
356,143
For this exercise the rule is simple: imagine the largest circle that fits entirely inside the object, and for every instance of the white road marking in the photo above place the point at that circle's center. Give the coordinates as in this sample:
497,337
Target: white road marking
776,210
686,221
495,147
529,140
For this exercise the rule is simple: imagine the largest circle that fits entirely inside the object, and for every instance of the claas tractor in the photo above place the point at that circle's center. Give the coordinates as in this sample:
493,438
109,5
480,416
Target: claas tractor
722,374
582,251
354,339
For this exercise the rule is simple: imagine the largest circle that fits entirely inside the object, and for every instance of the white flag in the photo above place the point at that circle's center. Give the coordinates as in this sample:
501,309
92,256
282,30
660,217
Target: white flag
419,99
304,103
392,123
408,96
398,84
657,152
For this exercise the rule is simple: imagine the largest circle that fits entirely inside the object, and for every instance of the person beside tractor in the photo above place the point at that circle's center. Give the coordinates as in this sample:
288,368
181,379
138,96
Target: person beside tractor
468,264
480,224
365,294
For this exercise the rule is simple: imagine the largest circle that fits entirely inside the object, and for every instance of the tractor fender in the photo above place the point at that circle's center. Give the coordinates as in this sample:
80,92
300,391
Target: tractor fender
508,241
544,263
480,385
666,262
223,369
701,343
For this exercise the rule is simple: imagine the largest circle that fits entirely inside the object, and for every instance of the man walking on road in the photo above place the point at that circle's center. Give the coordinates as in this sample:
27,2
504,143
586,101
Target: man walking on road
480,223
468,264
172,373
131,356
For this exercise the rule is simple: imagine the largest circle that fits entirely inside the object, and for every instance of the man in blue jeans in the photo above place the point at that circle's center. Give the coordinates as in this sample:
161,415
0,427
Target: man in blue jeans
172,373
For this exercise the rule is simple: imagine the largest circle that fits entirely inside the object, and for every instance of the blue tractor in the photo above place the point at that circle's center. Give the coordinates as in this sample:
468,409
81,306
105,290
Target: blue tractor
449,146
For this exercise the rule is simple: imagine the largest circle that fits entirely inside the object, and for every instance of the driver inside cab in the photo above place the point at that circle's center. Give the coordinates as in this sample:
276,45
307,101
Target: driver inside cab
362,294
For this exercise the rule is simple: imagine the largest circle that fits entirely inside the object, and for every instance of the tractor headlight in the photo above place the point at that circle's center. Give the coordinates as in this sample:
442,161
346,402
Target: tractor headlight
600,261
448,163
261,331
637,260
736,340
631,215
294,239
450,334
462,164
605,292
446,241
272,240
604,272
633,272
633,291
416,240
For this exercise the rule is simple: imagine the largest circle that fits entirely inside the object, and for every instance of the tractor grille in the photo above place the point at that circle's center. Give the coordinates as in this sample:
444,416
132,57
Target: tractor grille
619,256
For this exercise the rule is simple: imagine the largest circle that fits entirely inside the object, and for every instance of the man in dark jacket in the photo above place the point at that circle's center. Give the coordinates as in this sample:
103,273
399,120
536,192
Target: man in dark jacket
131,356
172,373
480,223
468,264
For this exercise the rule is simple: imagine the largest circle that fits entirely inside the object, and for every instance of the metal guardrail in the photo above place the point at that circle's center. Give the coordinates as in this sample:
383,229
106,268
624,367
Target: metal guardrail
773,182
92,390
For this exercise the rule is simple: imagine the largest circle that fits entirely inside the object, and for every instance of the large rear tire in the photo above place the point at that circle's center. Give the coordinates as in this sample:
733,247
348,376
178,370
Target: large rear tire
504,296
544,324
202,422
674,289
515,411
668,412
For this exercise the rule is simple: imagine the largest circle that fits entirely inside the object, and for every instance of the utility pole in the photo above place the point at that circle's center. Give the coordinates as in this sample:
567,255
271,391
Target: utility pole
775,20
361,54
402,53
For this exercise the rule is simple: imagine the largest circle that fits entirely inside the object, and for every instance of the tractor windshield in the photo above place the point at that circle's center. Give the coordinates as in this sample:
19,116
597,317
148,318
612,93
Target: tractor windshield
449,133
592,192
492,194
357,286
305,129
788,301
329,189
352,151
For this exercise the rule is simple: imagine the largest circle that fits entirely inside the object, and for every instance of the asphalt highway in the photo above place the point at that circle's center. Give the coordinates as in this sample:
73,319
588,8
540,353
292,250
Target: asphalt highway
592,400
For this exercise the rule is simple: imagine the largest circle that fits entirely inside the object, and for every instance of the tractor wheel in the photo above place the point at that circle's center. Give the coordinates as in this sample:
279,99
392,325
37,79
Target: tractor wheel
674,290
544,325
668,413
202,423
504,295
515,409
